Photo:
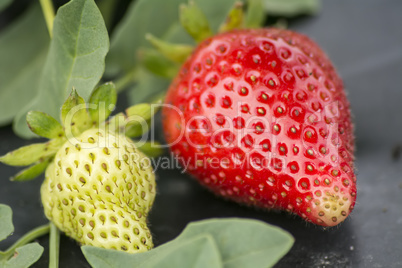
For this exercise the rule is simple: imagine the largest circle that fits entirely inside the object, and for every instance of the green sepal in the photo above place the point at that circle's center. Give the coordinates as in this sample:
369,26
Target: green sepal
30,154
32,172
102,102
142,111
74,115
255,15
235,18
134,122
150,149
175,52
291,8
116,123
194,21
136,130
44,125
138,117
157,64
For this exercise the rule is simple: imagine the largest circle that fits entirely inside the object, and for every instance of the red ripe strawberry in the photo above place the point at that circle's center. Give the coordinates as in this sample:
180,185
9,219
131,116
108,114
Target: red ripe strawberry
262,119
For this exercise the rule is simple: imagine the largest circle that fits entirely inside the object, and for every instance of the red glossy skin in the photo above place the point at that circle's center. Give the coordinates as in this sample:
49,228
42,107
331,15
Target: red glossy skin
262,119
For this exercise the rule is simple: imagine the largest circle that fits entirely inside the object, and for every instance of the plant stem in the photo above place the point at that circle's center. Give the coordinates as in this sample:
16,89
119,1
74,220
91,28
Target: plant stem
54,245
48,12
126,80
28,237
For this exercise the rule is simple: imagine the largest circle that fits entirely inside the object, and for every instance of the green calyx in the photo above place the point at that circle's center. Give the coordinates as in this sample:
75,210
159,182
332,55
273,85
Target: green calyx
77,117
164,60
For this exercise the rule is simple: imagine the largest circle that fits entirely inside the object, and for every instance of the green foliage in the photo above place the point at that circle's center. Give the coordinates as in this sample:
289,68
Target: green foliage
194,21
291,8
155,63
21,254
141,18
266,244
103,100
6,224
75,59
30,154
24,256
210,243
137,120
198,252
74,115
235,18
255,14
148,86
32,172
150,149
44,125
23,47
174,52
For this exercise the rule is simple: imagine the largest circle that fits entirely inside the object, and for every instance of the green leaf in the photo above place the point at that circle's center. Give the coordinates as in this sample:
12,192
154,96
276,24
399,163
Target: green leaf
6,222
291,8
102,102
25,256
74,115
75,59
30,154
129,34
139,20
44,125
20,254
32,172
157,64
23,47
4,4
174,52
235,18
198,252
238,242
266,244
194,21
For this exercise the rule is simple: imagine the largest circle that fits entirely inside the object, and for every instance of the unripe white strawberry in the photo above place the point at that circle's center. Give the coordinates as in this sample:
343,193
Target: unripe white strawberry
98,187
99,190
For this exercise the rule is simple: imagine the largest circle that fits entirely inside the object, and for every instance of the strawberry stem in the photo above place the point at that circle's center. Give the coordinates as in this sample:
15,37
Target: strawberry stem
48,12
175,52
126,80
28,237
54,246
